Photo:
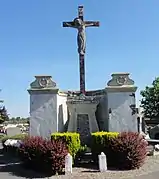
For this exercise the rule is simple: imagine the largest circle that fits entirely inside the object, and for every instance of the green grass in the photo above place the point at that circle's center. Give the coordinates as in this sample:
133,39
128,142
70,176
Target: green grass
1,136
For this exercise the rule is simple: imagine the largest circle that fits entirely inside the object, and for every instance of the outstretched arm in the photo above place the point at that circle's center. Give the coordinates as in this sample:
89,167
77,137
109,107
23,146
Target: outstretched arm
92,23
68,24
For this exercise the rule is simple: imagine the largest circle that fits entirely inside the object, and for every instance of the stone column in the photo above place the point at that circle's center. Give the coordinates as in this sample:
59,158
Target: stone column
43,107
122,103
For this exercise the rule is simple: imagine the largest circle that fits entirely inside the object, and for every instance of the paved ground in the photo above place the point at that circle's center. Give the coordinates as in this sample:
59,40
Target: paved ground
154,175
11,169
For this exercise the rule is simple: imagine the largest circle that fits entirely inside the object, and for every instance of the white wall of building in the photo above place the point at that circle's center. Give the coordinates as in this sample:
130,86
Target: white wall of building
62,113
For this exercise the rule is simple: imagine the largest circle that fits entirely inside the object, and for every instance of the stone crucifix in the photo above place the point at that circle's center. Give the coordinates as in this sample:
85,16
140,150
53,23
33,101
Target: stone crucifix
81,25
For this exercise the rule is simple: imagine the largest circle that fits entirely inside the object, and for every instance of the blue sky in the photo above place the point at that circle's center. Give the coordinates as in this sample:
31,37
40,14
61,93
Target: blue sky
33,42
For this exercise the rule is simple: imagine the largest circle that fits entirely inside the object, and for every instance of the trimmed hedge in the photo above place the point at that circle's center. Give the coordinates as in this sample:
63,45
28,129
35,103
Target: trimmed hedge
72,141
100,143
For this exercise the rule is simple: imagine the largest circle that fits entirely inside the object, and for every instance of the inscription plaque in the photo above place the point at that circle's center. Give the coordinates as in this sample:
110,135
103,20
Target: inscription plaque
83,127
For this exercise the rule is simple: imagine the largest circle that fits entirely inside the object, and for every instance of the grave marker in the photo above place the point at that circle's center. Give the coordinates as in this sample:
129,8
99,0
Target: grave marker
12,131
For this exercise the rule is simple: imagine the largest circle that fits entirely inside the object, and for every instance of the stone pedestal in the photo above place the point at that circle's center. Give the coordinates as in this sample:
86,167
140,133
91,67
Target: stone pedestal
43,107
82,117
122,103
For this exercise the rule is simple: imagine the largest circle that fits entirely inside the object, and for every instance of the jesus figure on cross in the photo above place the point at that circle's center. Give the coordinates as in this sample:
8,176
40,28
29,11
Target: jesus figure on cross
81,25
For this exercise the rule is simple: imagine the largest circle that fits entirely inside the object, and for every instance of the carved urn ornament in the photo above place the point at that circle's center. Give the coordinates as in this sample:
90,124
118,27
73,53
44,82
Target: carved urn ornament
43,82
121,80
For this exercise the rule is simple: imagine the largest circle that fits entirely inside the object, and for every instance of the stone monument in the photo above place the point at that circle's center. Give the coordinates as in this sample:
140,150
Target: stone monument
110,109
122,103
48,109
82,108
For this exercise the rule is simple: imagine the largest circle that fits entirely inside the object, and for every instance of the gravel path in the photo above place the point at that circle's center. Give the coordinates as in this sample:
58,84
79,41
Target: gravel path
150,169
151,165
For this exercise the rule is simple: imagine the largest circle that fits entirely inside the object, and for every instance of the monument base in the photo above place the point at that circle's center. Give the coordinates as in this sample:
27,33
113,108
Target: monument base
82,117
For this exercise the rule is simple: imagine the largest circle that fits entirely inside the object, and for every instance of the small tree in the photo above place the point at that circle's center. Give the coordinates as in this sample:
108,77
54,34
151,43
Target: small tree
3,114
150,100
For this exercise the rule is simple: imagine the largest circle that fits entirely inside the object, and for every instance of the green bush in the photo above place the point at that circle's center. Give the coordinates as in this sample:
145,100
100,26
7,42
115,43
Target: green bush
16,137
72,141
100,143
2,136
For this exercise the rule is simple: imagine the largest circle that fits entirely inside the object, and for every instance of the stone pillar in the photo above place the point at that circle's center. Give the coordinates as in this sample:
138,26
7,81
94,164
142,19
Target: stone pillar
122,103
43,107
82,117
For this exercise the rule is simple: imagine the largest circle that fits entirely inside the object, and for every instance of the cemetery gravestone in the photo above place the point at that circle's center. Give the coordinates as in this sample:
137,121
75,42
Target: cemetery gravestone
12,131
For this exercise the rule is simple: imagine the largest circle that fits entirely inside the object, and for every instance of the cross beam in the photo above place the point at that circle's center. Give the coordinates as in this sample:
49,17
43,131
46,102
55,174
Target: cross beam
81,25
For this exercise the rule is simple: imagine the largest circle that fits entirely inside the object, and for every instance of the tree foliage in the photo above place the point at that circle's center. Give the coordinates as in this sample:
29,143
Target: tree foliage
3,114
150,100
16,120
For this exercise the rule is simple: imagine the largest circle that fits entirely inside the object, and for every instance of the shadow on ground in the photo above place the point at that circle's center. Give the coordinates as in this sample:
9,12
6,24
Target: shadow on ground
93,167
87,166
14,167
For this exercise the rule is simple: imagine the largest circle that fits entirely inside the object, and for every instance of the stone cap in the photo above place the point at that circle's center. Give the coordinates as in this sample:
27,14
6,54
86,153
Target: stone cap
120,79
41,76
43,82
120,82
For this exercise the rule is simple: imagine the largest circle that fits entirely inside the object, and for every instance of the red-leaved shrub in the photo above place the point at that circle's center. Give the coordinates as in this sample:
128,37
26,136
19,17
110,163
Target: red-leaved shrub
127,151
43,155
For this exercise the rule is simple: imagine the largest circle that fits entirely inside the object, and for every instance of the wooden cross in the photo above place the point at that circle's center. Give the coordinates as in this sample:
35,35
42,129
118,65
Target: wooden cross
80,25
